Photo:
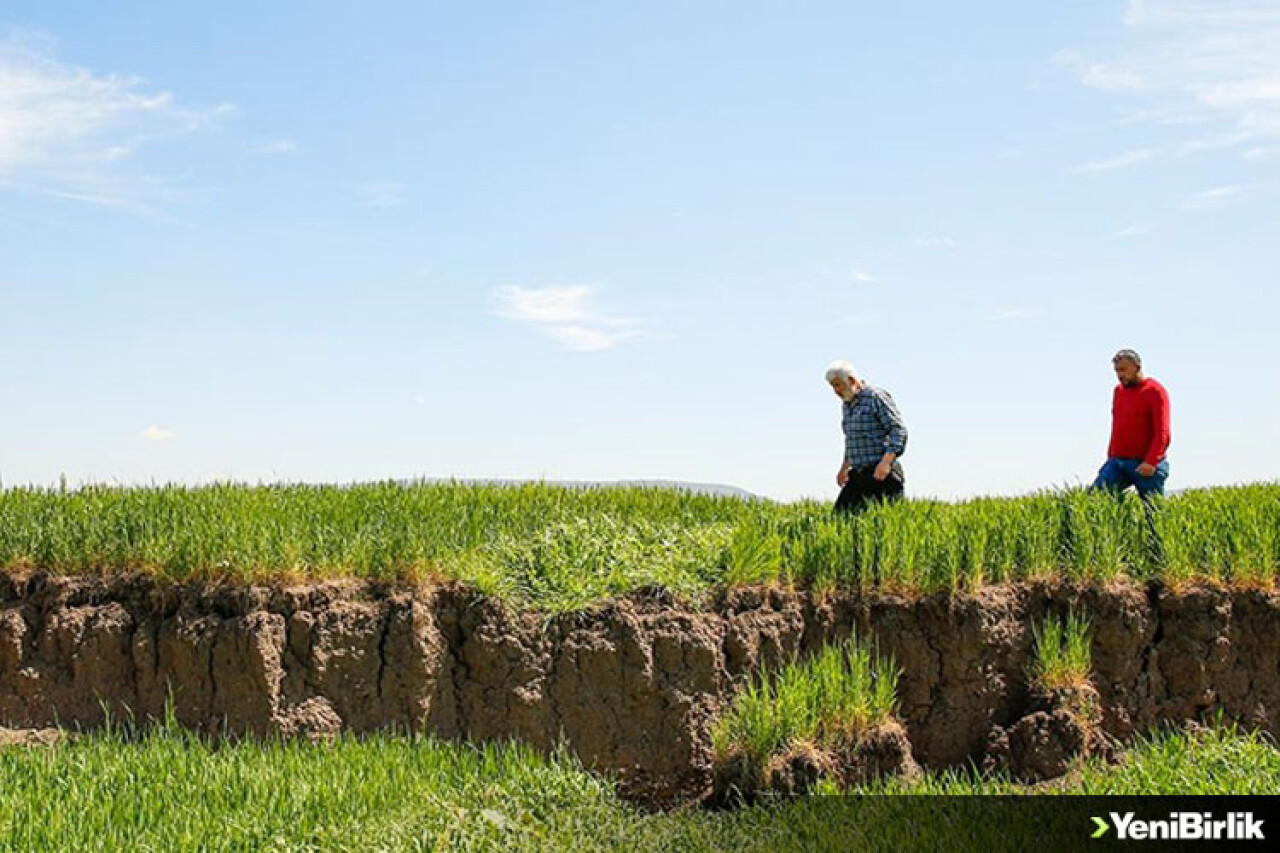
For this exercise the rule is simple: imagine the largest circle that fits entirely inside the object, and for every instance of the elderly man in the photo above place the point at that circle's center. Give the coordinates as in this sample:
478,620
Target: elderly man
1139,431
874,438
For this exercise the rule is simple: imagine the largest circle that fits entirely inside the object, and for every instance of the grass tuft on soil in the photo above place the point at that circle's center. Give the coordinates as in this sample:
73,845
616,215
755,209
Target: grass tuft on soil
1062,654
819,707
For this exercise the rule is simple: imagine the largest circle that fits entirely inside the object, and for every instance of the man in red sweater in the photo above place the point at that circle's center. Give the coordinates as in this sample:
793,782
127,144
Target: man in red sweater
1139,431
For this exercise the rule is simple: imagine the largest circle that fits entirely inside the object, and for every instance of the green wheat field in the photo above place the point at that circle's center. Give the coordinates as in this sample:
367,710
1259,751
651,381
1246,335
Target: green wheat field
556,548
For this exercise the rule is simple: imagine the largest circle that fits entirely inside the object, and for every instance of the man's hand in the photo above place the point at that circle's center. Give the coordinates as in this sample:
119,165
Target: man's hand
1145,470
842,476
883,469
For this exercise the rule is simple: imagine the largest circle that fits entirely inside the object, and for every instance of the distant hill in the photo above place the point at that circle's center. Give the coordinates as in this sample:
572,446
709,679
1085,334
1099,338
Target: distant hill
699,488
718,489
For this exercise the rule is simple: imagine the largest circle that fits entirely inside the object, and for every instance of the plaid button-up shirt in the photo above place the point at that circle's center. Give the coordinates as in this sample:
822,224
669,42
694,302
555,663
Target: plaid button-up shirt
872,427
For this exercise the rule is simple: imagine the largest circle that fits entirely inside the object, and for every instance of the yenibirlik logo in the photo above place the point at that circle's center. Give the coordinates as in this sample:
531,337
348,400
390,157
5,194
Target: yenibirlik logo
1183,826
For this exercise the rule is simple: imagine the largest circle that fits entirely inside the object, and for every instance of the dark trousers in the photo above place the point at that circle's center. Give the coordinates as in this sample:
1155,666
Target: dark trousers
1118,474
863,488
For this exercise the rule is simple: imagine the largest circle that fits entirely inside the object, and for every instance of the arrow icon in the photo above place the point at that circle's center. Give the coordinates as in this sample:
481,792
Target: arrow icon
1102,828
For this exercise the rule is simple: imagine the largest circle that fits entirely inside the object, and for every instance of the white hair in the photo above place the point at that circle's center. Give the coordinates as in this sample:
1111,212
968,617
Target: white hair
841,369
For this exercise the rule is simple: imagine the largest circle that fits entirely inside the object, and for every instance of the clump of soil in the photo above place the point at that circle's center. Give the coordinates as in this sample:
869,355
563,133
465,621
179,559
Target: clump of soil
1060,728
882,750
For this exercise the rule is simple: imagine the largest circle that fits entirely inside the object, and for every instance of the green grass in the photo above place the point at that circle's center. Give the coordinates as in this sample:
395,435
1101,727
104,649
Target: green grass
825,701
557,548
172,791
1062,654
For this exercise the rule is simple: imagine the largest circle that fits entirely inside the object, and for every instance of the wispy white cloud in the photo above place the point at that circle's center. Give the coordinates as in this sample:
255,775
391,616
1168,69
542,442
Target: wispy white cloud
69,132
156,433
1101,75
381,194
861,277
566,314
1250,13
278,147
1213,67
563,304
585,338
937,241
1132,231
1120,161
1214,197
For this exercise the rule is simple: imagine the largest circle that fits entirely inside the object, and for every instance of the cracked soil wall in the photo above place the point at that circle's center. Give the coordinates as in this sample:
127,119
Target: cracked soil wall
631,686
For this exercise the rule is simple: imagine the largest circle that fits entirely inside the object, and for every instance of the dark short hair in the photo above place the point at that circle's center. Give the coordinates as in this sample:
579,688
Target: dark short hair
1127,355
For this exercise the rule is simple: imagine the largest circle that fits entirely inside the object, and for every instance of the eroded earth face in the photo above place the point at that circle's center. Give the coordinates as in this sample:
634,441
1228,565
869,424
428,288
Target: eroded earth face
633,685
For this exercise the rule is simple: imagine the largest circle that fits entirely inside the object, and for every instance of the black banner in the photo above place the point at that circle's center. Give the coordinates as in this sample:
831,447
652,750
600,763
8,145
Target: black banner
989,824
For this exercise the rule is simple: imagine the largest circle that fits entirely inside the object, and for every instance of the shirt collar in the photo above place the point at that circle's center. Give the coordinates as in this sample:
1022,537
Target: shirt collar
860,394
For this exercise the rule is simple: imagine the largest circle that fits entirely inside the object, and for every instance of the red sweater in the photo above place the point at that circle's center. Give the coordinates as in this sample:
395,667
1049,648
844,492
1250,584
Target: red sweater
1140,422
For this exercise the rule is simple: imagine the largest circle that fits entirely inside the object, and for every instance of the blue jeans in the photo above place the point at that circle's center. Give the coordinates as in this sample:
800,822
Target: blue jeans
1118,474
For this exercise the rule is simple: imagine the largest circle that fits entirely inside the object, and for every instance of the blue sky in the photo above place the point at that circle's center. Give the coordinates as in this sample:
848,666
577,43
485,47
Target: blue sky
331,242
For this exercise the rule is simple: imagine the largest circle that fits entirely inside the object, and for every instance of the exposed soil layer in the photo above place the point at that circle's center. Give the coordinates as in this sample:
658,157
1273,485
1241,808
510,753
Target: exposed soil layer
631,686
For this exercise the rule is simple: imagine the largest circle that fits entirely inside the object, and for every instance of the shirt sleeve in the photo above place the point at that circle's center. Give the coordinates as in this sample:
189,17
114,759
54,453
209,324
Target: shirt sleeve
895,440
844,428
1160,432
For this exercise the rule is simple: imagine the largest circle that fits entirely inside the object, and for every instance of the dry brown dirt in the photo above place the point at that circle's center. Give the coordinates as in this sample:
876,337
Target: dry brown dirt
30,737
631,686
